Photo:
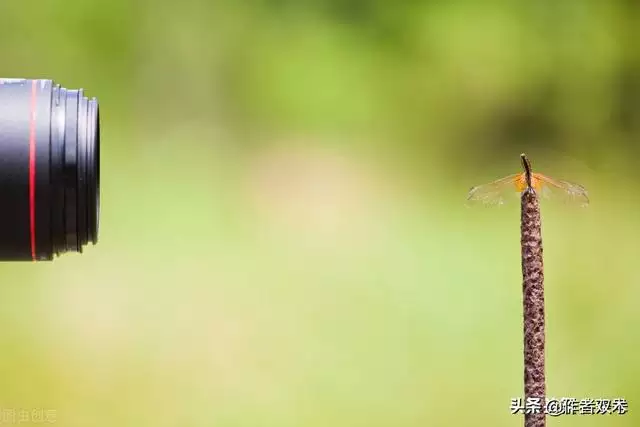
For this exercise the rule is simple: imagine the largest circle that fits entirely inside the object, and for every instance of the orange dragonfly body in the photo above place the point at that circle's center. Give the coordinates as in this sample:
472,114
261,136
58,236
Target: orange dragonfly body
497,192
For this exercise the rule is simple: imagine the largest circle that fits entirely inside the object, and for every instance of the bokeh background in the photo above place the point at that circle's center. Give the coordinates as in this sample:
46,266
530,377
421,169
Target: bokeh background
283,237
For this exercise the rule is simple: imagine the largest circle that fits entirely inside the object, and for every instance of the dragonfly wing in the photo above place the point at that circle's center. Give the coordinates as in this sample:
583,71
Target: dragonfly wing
564,191
494,193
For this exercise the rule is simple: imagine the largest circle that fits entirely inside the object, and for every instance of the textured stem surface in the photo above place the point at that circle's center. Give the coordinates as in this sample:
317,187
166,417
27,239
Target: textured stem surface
533,304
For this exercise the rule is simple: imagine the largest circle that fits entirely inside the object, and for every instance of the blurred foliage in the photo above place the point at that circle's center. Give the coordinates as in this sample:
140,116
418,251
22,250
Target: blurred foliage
283,237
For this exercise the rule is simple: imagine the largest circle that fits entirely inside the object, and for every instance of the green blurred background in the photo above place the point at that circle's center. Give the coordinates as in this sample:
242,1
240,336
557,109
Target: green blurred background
283,238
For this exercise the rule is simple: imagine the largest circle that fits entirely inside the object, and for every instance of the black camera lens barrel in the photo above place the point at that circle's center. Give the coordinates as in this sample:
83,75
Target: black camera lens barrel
49,170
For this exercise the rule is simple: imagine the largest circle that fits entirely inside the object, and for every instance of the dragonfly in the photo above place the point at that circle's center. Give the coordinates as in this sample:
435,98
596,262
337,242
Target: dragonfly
497,192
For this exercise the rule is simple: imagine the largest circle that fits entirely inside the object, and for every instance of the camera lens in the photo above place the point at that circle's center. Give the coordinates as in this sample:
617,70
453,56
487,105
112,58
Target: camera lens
49,170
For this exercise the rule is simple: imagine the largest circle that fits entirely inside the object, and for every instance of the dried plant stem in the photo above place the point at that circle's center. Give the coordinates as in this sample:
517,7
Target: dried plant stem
533,303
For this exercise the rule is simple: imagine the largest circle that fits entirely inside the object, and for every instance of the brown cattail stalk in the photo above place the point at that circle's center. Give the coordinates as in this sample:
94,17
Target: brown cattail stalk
533,303
528,183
